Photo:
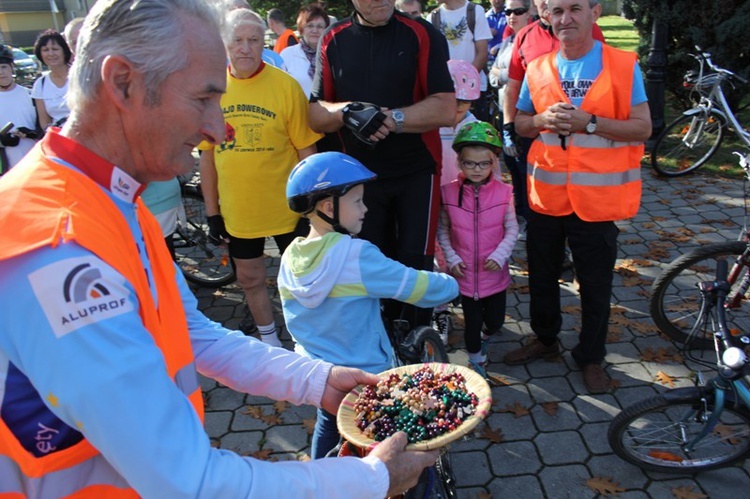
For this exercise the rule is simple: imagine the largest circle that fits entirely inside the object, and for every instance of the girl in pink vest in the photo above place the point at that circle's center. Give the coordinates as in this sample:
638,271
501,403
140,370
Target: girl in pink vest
477,233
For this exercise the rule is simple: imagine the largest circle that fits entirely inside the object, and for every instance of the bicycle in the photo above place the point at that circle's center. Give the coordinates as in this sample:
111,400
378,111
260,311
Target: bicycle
685,430
674,302
201,261
689,141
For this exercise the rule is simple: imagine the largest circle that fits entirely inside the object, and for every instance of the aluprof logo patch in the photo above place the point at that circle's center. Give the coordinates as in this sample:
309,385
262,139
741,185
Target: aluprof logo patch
78,292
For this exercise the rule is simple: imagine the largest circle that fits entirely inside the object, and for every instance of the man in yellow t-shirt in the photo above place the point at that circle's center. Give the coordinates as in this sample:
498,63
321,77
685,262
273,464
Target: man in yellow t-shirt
244,178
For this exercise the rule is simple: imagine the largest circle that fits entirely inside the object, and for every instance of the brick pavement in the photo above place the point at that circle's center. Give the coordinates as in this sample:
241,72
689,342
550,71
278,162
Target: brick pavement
540,455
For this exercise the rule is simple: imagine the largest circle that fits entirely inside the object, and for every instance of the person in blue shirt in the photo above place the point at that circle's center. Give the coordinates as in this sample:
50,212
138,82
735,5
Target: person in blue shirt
498,21
331,283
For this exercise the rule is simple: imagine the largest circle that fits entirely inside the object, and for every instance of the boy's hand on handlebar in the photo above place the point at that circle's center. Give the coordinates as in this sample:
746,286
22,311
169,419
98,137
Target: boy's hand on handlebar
404,467
216,230
457,270
341,380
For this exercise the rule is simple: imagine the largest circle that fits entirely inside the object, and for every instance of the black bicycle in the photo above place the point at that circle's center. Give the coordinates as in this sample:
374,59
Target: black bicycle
686,430
202,262
675,300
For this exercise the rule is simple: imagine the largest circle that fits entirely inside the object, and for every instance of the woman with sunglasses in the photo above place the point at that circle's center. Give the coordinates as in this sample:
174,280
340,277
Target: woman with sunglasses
312,21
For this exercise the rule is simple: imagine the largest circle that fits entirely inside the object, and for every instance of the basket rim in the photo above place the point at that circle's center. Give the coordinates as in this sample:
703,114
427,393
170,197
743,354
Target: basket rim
475,383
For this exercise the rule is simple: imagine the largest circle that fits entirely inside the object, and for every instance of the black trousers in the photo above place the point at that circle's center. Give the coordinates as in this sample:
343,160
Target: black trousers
594,249
402,221
489,311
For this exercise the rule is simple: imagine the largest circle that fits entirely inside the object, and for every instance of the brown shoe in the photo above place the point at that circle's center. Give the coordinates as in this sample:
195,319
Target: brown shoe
532,350
596,378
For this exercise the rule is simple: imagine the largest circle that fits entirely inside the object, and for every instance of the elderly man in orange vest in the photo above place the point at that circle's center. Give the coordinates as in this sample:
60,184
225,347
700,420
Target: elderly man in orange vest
587,108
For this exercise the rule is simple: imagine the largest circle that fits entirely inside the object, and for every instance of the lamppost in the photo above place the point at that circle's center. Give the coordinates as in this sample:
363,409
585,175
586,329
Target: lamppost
656,76
54,10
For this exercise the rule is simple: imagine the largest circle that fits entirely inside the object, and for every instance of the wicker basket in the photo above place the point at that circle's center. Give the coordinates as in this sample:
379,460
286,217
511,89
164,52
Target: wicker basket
475,383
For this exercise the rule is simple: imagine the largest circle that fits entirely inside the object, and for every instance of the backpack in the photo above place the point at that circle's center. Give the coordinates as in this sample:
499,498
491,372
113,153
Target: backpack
471,17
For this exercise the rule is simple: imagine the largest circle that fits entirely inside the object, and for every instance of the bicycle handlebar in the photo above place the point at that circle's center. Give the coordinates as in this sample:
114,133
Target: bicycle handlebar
706,57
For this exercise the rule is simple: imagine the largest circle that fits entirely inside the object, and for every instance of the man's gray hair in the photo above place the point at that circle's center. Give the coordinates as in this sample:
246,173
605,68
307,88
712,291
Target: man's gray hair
241,16
148,33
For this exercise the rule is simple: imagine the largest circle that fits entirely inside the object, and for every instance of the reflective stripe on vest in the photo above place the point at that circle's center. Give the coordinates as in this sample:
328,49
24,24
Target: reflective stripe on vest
595,177
104,482
76,209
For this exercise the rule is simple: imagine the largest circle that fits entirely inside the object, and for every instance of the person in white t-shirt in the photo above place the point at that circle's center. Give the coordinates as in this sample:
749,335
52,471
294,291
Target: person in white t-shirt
50,90
465,43
17,108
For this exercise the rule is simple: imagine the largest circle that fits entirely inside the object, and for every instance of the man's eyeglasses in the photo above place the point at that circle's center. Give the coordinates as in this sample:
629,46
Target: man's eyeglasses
470,165
519,11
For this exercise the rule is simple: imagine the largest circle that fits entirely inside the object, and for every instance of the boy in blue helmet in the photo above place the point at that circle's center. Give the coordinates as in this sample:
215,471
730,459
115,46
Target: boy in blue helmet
331,283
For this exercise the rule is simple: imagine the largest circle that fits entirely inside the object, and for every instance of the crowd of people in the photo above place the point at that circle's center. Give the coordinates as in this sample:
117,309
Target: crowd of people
380,178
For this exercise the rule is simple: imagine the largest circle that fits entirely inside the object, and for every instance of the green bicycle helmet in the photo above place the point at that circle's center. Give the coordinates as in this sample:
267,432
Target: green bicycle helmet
478,133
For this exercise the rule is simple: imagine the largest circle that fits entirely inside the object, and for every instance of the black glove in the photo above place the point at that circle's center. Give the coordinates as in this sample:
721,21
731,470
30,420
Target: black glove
217,233
8,140
363,119
511,143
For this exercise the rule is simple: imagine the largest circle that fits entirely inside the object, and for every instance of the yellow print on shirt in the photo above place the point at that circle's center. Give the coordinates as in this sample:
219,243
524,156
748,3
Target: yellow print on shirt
454,34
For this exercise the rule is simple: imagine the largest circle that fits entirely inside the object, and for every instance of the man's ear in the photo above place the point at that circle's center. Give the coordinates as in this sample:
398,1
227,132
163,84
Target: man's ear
597,9
118,80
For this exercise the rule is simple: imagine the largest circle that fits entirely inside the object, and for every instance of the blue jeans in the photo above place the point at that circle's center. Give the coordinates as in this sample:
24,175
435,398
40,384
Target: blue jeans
326,435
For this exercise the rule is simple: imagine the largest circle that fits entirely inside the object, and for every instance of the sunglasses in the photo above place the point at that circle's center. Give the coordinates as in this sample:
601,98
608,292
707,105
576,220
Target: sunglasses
519,11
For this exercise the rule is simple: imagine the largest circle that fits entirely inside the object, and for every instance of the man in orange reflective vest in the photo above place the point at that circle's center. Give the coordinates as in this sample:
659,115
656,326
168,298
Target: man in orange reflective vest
587,108
101,338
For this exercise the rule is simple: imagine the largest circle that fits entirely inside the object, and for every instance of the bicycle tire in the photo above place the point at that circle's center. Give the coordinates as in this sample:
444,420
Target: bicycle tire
675,298
648,434
201,262
435,482
429,345
672,157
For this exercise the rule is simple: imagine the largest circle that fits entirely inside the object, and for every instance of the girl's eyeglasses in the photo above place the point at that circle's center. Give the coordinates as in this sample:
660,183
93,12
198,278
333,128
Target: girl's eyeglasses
470,165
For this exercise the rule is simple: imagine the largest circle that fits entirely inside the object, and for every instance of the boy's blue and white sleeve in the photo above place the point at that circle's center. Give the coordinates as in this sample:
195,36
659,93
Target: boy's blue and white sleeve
386,278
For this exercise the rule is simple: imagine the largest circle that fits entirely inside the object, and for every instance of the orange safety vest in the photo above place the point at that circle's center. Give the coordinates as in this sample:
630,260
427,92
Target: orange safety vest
283,41
597,178
45,204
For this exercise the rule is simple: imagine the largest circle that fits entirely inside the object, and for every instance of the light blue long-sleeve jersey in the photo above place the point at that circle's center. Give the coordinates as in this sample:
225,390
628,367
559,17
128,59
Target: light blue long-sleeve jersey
330,291
103,376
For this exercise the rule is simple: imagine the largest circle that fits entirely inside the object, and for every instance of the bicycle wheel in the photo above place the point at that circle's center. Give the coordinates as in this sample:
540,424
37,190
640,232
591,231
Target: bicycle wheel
653,433
675,299
429,345
202,262
687,143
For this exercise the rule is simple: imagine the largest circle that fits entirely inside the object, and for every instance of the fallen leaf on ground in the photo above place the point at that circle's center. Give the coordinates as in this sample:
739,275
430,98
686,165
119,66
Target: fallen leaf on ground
664,379
498,379
483,495
517,409
304,457
495,436
254,411
550,407
272,419
309,425
604,486
280,406
264,455
687,492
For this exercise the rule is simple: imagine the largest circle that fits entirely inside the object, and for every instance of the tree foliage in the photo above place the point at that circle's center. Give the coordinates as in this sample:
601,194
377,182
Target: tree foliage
717,26
336,8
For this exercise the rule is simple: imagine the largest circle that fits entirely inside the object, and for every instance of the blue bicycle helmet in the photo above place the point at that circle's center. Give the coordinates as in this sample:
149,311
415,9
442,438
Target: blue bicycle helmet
322,175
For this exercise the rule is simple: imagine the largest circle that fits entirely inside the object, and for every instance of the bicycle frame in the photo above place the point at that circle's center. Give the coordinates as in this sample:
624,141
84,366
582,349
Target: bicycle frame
730,377
714,99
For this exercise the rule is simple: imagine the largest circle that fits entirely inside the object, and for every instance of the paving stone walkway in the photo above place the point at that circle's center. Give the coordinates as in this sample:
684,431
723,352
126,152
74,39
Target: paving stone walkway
553,434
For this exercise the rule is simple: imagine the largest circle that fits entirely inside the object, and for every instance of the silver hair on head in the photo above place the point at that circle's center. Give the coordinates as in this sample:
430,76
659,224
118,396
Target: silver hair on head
241,16
148,33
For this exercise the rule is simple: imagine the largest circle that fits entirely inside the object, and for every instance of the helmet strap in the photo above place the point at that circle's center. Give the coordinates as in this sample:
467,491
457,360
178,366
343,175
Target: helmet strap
335,225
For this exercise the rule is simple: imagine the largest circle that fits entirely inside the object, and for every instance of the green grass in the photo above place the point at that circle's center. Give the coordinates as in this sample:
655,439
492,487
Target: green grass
619,32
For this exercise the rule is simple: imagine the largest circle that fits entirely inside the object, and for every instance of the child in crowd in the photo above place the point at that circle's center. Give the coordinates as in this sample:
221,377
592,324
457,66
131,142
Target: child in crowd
477,233
331,283
466,81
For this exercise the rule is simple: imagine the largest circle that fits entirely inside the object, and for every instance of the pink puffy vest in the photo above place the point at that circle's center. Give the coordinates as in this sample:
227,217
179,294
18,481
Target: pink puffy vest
477,227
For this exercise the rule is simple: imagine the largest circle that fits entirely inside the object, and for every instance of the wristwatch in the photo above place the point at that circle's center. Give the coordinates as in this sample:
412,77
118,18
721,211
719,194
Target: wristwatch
398,117
591,125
